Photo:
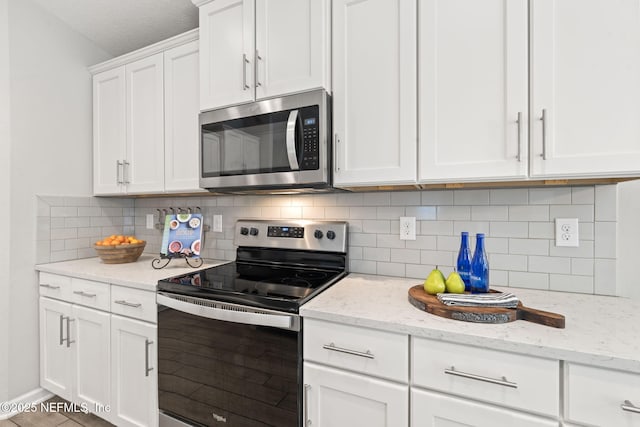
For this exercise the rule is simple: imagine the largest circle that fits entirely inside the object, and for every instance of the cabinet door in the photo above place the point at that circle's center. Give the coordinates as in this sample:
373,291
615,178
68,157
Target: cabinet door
429,409
473,90
144,167
181,108
339,398
56,364
134,375
292,46
585,73
91,345
374,91
226,53
108,131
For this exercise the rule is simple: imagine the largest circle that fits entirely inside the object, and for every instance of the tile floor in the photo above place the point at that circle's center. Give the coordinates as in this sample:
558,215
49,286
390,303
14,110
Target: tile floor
55,419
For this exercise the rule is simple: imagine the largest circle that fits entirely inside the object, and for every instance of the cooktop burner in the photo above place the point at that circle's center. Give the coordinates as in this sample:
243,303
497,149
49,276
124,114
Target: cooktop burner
280,264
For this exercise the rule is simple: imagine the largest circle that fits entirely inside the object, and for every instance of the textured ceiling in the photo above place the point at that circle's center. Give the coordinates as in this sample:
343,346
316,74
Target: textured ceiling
121,26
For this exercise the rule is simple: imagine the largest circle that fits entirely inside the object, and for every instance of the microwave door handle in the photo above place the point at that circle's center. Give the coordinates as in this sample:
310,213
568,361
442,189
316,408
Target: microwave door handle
291,140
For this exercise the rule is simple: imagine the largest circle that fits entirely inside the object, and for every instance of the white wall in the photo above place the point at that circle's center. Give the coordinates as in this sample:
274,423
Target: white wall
5,150
50,153
629,239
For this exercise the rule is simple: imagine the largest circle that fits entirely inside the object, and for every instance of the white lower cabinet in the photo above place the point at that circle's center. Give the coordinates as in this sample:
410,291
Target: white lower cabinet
334,397
102,361
134,378
430,409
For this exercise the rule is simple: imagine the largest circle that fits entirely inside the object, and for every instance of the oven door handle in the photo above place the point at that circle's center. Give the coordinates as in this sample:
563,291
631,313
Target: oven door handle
291,140
283,321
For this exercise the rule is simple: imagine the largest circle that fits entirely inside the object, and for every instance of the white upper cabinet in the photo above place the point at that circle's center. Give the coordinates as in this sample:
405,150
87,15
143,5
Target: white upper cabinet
292,46
585,77
227,51
144,161
473,90
181,108
109,119
374,92
254,49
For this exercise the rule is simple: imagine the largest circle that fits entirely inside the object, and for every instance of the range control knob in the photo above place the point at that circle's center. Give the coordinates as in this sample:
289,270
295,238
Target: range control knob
331,234
244,231
253,231
318,234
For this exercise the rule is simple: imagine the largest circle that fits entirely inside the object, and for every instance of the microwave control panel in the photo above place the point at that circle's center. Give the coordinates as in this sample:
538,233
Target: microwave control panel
310,139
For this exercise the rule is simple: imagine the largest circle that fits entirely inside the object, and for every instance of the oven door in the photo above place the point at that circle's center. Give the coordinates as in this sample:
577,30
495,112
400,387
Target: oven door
223,364
276,143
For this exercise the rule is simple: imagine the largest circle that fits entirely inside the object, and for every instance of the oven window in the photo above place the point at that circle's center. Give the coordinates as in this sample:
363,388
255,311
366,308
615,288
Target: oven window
254,145
211,370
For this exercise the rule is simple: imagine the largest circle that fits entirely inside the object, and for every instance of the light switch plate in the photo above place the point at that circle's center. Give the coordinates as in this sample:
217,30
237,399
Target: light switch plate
217,223
567,232
150,221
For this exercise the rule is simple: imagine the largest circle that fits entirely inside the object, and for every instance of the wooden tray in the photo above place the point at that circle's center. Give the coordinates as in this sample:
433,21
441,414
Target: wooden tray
430,303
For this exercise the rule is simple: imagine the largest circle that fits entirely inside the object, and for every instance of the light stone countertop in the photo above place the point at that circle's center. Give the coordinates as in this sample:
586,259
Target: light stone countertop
600,330
139,274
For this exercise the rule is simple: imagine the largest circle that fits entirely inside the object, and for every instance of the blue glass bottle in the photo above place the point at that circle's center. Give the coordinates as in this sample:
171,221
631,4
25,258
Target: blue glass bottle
464,260
479,267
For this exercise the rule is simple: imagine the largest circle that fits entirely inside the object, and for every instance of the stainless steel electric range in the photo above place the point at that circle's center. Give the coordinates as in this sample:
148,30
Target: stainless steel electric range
230,337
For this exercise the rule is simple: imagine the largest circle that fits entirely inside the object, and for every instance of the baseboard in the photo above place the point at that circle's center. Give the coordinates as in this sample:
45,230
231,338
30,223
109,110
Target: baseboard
10,408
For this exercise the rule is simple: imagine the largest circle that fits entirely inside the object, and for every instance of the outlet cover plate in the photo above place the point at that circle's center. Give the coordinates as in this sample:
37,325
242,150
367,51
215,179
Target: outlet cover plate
407,228
567,232
150,219
217,223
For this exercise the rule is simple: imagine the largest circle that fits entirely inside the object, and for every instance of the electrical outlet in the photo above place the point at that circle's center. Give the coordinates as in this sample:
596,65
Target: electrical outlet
407,228
567,232
150,221
217,223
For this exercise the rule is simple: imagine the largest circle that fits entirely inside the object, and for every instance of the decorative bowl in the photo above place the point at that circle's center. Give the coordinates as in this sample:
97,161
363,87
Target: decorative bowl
120,254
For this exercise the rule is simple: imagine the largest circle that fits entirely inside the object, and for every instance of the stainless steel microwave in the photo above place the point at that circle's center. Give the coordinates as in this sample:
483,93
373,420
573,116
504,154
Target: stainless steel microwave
273,145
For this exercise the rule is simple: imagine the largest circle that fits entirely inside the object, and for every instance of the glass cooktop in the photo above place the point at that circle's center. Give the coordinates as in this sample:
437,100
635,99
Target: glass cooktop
275,287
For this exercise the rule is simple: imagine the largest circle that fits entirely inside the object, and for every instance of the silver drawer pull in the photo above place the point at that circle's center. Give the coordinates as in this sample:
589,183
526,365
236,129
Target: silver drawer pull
333,347
84,294
503,381
45,285
630,407
128,304
147,369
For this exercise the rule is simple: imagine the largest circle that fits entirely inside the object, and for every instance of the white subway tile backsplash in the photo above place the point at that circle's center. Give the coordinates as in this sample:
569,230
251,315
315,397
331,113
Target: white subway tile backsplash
586,231
376,226
471,197
582,266
547,264
269,212
508,262
472,227
585,250
312,212
541,230
390,241
362,266
606,203
460,213
515,196
440,258
409,256
582,195
529,246
362,239
421,212
363,212
550,196
293,212
57,245
529,213
419,271
584,213
421,242
436,228
437,197
325,200
376,199
350,199
495,245
405,198
78,221
390,212
605,277
335,212
355,252
498,278
391,269
489,213
605,242
58,211
521,279
447,243
508,229
376,254
569,283
64,233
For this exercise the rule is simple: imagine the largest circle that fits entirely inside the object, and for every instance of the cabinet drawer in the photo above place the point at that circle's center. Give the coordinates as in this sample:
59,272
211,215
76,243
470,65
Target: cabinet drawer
378,353
596,396
508,379
90,293
55,286
135,303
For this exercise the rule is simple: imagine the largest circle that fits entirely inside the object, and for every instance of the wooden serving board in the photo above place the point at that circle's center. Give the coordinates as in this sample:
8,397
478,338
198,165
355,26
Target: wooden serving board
430,303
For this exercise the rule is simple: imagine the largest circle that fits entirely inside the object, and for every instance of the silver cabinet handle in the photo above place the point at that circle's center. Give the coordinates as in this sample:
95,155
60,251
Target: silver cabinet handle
128,304
147,369
333,347
245,61
291,140
118,164
519,121
256,61
84,294
61,326
630,407
125,172
544,134
307,421
503,381
336,166
45,285
69,341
